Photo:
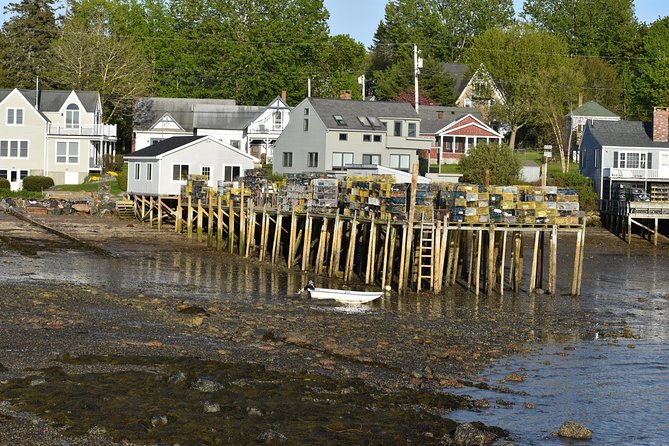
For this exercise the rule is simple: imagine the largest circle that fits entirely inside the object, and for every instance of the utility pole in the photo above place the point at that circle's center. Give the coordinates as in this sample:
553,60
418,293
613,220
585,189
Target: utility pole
361,81
417,65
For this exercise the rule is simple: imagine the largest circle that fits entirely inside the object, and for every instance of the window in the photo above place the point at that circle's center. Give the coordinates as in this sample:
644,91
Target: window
400,162
14,149
287,159
468,102
278,120
153,141
412,130
339,119
67,152
341,159
137,170
180,172
231,172
597,154
23,174
72,116
14,116
398,128
367,138
3,173
364,121
237,144
343,137
371,159
631,160
149,172
206,170
376,122
377,138
306,112
305,125
313,159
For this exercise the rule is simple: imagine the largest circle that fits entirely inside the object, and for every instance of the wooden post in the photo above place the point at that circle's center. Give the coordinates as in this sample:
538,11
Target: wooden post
251,234
322,246
179,220
412,215
535,260
241,241
470,253
292,240
189,221
580,260
277,237
306,244
160,213
490,268
518,262
369,270
231,224
385,255
391,255
263,234
552,268
151,212
403,260
501,268
335,252
210,221
219,223
478,260
441,256
200,220
351,249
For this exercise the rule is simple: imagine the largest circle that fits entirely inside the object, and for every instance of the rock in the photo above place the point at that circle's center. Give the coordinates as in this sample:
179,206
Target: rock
517,377
571,429
2,368
97,430
253,412
177,378
37,382
159,420
427,373
469,434
631,346
82,207
211,407
539,291
504,403
417,374
528,406
271,437
207,384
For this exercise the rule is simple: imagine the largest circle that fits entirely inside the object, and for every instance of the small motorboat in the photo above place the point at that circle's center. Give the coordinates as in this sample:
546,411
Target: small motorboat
345,296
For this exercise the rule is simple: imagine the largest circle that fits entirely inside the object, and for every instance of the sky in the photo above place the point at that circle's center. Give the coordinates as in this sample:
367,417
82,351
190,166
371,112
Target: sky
359,18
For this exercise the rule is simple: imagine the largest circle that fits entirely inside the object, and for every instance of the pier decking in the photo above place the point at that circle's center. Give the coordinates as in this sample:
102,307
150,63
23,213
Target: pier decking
620,217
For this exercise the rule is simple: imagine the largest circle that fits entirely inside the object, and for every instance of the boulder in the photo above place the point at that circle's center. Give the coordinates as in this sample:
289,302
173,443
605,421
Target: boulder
571,429
469,434
207,385
271,437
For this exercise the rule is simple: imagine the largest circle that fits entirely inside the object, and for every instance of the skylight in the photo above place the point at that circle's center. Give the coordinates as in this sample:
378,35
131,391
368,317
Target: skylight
364,121
375,121
339,119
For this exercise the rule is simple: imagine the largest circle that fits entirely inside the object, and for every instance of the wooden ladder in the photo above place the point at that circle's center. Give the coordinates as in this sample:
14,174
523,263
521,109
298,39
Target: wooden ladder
424,257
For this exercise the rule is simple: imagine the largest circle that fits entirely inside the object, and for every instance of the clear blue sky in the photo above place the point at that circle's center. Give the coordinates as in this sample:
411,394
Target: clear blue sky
359,18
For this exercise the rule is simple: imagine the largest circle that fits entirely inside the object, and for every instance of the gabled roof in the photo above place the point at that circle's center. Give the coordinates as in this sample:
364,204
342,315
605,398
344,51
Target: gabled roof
430,122
165,146
593,109
350,110
149,110
53,100
225,117
624,134
460,74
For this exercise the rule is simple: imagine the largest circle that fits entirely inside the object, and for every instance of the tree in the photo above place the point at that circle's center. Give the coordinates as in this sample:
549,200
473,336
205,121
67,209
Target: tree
591,27
503,164
434,83
520,58
602,83
650,85
26,39
343,62
89,57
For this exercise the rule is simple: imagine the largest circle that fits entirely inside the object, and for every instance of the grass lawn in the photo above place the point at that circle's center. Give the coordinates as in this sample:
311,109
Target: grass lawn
553,165
89,187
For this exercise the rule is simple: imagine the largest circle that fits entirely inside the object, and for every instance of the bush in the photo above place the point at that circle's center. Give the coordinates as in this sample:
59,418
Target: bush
36,183
587,197
503,163
122,180
5,184
113,163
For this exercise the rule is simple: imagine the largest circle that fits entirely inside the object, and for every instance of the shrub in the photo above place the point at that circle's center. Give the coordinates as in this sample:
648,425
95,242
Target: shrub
36,183
503,163
122,180
5,184
587,197
113,163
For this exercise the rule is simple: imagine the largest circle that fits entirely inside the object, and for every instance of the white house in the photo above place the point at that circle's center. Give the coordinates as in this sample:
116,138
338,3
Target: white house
53,133
253,129
331,134
474,89
162,168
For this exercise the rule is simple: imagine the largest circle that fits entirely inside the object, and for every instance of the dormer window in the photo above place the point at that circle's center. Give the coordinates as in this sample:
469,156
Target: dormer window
72,116
339,120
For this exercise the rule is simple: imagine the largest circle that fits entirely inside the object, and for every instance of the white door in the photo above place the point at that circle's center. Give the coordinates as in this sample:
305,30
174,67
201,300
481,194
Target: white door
16,178
71,177
663,170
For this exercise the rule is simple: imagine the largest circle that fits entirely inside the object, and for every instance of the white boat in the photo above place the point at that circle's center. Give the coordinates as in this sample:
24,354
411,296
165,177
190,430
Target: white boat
346,296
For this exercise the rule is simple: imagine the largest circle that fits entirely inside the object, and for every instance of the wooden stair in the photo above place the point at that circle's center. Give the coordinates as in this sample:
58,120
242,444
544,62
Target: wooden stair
126,209
424,255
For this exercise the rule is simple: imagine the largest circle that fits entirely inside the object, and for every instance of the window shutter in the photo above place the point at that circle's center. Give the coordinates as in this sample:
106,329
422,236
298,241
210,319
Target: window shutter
615,160
649,163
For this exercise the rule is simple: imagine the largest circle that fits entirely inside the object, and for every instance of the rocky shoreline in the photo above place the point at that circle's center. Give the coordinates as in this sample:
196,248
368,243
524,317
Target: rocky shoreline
399,359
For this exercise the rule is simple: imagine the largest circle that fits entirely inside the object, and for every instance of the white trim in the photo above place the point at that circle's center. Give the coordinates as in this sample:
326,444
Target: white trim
67,153
241,170
27,102
197,141
18,149
159,120
172,180
14,124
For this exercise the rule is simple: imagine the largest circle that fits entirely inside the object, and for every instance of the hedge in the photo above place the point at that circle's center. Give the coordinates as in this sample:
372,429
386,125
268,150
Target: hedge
36,183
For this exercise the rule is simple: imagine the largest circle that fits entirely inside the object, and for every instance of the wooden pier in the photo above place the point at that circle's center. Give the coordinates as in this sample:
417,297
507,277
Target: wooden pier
401,255
622,217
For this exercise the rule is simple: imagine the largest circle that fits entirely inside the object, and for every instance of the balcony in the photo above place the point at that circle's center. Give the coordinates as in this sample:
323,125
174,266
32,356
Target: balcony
631,174
107,131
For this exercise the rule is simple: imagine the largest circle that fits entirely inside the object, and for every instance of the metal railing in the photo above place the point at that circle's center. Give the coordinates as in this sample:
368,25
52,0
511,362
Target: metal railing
106,130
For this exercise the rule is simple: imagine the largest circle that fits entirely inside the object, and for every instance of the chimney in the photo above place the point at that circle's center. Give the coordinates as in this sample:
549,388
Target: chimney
661,124
580,99
345,94
440,115
283,95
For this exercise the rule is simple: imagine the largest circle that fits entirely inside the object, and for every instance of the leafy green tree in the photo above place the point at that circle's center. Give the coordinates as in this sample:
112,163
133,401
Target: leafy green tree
503,164
650,86
591,27
601,83
26,38
434,83
343,62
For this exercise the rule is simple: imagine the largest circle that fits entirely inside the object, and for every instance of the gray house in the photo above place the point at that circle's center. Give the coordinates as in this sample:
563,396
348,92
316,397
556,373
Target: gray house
626,153
329,134
576,121
162,168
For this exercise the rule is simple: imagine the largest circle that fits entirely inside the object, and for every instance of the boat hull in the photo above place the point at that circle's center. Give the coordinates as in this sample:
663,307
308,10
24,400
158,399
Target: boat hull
346,296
